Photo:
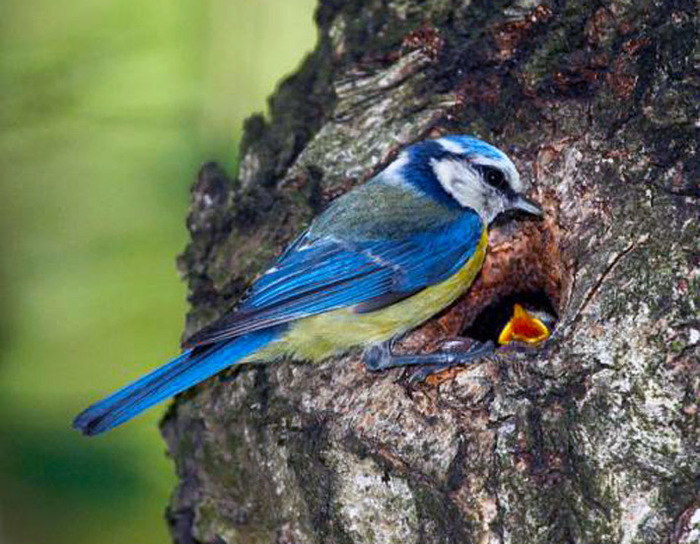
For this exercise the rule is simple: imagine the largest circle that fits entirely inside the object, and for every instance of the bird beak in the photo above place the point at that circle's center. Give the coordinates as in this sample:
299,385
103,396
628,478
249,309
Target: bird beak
526,205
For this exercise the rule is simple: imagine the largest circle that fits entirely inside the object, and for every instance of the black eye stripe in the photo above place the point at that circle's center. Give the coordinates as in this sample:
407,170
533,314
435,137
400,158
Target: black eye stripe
494,177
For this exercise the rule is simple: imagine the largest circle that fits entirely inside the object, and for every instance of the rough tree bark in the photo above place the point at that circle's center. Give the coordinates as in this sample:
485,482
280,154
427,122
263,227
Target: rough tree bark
590,439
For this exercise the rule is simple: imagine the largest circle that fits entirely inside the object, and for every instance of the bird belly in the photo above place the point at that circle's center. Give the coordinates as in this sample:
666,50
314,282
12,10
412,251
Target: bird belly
331,333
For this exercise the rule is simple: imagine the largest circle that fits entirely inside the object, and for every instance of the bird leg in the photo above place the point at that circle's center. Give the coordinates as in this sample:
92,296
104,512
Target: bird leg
459,351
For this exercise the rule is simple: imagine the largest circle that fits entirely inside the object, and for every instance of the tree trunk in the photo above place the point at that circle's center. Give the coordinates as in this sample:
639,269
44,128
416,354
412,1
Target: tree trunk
589,439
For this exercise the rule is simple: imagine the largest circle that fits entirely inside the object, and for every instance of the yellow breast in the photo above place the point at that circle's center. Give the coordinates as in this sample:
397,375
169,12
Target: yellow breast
319,337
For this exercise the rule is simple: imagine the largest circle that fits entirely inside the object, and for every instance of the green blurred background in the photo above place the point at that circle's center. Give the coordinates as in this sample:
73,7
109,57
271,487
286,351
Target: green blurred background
106,111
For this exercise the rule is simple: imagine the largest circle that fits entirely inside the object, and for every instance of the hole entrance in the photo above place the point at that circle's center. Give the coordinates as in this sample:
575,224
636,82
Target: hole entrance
491,321
524,265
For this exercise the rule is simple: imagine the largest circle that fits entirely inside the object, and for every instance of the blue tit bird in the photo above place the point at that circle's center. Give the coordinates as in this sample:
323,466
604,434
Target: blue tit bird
381,260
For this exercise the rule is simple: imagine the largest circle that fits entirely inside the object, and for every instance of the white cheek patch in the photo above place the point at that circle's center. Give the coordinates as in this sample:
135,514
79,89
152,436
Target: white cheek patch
462,183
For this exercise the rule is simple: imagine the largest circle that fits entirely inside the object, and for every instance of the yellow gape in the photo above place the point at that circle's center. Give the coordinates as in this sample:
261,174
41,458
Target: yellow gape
523,327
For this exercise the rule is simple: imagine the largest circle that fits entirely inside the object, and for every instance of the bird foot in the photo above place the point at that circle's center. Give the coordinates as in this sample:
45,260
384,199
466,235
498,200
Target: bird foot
454,351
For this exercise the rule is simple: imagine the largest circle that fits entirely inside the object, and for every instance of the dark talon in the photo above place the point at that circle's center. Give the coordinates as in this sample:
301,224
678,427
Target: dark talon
380,357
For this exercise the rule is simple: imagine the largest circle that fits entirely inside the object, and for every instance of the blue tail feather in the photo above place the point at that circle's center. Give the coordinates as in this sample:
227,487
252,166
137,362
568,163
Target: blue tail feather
190,368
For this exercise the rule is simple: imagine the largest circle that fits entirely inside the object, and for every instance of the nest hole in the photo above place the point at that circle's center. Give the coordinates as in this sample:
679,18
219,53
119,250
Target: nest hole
489,323
524,266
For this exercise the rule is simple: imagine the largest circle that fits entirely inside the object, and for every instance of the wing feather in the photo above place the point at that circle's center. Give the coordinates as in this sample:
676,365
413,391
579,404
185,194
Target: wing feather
325,274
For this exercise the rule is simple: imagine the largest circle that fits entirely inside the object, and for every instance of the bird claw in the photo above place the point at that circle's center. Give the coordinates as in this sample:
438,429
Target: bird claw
474,350
380,357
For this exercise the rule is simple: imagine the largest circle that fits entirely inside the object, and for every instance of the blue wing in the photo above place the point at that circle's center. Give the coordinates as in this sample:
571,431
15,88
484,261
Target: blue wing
319,275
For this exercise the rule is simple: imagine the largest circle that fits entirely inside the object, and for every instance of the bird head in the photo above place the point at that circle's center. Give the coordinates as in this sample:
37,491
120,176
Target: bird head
464,171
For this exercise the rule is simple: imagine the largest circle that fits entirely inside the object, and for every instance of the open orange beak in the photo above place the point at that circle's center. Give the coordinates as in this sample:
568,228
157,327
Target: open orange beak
523,327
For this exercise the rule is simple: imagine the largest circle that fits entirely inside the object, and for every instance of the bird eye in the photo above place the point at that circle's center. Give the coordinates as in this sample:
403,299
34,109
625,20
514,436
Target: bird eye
494,177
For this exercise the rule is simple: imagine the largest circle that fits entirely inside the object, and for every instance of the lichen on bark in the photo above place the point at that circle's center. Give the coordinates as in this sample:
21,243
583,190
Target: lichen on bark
591,439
